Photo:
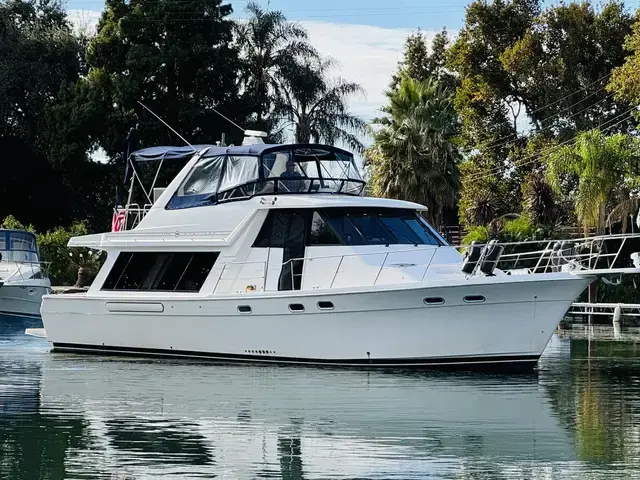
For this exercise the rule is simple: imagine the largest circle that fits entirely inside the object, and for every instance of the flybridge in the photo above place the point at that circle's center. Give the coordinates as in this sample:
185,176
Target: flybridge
218,174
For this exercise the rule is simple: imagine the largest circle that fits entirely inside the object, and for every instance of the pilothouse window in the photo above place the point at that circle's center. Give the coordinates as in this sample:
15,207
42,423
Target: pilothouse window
161,271
347,226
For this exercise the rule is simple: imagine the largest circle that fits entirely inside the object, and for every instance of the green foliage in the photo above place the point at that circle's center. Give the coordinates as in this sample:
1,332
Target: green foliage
38,55
269,45
625,80
482,192
478,233
420,64
317,107
12,223
601,165
176,57
515,58
53,249
539,201
508,228
518,230
415,155
569,48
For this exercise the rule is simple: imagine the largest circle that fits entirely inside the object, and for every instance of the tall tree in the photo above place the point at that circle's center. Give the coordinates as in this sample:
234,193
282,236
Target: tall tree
519,64
38,55
414,155
421,62
316,107
625,80
174,56
268,44
561,65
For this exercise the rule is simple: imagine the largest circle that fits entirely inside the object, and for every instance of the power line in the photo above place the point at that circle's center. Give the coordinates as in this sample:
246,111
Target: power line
494,144
536,156
551,127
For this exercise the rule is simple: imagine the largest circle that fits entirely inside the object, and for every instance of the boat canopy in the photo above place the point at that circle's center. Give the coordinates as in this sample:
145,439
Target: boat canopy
240,172
155,154
18,245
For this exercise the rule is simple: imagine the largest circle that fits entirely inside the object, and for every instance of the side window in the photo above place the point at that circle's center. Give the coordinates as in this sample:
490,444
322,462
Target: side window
279,226
162,271
321,232
401,230
343,227
373,231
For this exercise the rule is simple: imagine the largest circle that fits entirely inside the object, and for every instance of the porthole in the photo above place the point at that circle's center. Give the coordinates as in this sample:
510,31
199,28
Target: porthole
244,309
434,300
296,307
325,305
474,299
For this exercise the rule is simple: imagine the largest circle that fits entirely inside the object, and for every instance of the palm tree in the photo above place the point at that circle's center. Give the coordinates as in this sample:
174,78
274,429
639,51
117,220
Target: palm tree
268,44
414,155
600,165
316,108
540,200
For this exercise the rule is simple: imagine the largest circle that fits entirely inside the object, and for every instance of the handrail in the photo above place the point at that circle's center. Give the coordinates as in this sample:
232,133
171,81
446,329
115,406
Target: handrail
44,269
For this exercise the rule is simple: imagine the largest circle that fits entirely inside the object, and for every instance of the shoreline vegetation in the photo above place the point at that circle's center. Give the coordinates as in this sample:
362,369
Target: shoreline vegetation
522,126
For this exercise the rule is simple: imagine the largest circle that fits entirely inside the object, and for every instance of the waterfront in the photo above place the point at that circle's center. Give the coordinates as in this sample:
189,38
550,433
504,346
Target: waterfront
68,417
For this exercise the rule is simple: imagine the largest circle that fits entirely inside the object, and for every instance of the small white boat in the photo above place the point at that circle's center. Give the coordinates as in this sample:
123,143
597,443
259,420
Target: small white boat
23,277
271,253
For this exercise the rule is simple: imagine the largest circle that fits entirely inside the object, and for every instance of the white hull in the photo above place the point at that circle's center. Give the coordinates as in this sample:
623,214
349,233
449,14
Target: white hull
22,299
388,326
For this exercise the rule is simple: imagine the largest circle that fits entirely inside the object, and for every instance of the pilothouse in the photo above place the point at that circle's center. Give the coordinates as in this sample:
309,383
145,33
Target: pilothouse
273,253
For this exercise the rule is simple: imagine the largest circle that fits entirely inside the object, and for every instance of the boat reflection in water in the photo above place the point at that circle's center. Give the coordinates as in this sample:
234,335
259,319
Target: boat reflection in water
237,421
70,417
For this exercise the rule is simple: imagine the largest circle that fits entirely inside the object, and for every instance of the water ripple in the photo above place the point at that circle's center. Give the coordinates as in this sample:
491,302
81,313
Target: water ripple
75,417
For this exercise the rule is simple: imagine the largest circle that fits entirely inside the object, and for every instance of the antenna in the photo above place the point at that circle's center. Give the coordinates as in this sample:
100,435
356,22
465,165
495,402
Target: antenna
228,120
167,125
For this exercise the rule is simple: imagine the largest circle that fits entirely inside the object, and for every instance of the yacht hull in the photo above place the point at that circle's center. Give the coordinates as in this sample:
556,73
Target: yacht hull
502,324
22,300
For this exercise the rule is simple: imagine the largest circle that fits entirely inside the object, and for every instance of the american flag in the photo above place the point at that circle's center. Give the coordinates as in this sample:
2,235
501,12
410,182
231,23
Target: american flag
119,220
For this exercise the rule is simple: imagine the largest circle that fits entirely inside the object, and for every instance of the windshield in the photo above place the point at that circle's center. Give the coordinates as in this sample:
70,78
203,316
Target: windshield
218,178
18,246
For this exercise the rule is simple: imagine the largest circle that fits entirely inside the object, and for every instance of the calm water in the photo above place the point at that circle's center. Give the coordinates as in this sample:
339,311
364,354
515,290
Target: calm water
69,417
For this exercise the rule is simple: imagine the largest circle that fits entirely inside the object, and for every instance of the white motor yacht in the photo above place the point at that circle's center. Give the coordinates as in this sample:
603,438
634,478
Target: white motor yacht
23,278
272,253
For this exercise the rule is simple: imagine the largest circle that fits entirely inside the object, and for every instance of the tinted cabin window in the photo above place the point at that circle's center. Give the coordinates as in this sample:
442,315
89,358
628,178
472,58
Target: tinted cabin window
372,229
321,233
279,226
344,228
347,226
384,226
162,271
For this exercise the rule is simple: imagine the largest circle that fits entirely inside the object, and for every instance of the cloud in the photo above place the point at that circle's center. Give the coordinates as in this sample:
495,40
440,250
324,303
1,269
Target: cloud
365,54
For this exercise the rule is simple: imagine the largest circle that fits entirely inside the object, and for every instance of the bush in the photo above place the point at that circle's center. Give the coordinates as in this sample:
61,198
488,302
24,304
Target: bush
478,233
517,230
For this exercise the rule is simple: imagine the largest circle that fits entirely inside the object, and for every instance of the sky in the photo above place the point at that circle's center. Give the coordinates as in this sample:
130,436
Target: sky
365,37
